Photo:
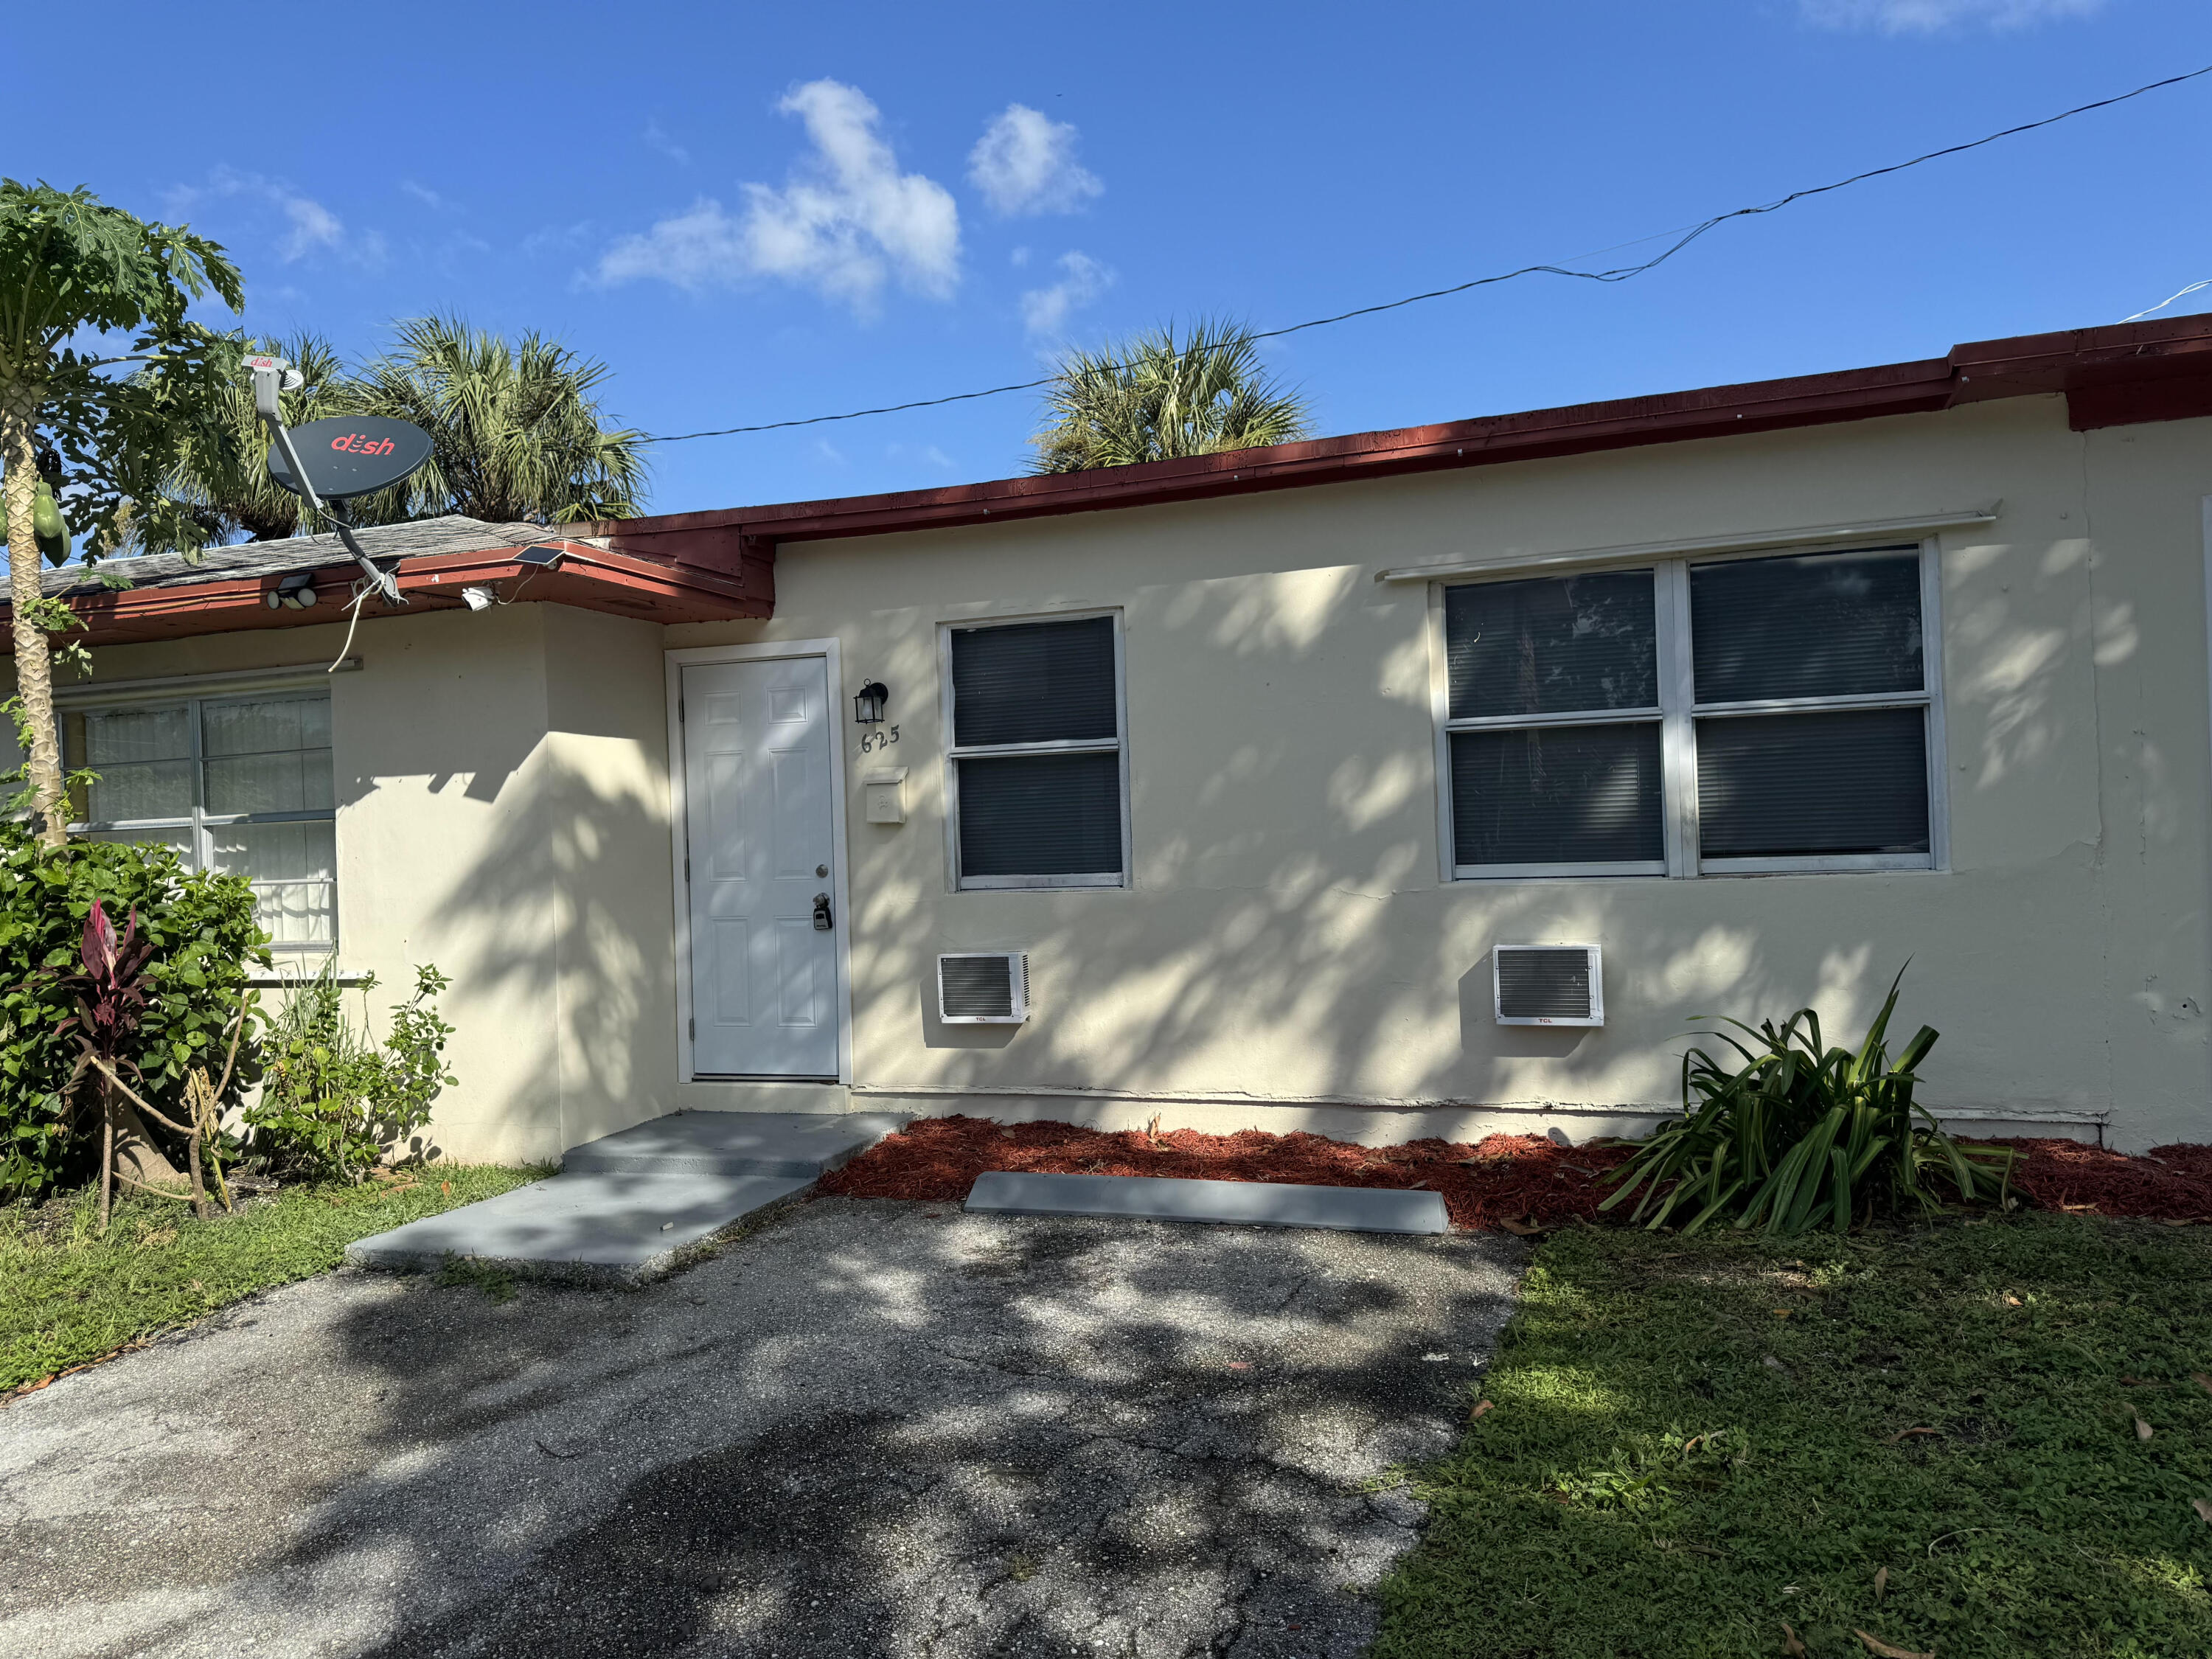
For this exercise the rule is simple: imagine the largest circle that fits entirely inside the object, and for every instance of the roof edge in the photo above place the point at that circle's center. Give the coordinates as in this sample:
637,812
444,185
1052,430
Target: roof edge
2102,360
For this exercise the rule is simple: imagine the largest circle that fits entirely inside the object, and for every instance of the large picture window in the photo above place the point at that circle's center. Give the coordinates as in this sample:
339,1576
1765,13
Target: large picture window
1765,714
236,784
1036,774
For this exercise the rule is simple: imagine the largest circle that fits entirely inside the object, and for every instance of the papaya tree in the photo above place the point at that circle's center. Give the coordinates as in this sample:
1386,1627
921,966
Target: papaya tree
104,381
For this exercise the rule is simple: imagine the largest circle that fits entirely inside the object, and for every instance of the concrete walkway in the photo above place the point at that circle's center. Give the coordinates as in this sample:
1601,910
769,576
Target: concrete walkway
626,1206
867,1430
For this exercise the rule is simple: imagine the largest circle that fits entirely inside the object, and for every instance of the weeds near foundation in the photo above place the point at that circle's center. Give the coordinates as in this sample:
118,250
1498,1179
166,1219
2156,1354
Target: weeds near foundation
496,1282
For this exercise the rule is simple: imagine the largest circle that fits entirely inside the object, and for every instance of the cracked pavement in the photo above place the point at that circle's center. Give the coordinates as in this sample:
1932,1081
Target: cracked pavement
870,1428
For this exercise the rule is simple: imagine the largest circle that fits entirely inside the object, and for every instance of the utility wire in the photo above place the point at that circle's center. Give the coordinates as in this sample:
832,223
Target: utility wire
1615,274
2169,299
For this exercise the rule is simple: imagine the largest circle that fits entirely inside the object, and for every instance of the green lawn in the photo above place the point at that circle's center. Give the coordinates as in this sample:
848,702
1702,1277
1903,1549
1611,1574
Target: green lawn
67,1296
1577,1518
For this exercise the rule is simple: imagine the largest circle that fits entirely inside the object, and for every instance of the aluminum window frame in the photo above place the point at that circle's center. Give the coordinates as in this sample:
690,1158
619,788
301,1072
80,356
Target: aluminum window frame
199,823
1678,713
955,752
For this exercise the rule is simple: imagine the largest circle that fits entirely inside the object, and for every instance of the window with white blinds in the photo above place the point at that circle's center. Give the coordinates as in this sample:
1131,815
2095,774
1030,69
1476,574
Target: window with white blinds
236,784
1036,780
1762,713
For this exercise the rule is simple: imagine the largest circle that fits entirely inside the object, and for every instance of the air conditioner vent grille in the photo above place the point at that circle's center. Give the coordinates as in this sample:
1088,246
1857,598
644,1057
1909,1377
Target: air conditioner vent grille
983,987
1549,985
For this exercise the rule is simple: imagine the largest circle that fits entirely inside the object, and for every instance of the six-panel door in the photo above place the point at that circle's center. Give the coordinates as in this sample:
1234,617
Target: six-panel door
756,779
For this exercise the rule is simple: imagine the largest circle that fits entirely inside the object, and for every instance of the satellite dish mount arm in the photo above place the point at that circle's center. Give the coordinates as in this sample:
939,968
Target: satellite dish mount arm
266,384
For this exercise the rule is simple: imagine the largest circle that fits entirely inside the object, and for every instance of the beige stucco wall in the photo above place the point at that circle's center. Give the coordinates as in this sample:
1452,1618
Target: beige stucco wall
1287,936
1287,954
501,813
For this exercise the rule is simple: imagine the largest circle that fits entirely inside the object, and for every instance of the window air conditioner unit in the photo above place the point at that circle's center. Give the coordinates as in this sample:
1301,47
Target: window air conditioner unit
983,987
1548,985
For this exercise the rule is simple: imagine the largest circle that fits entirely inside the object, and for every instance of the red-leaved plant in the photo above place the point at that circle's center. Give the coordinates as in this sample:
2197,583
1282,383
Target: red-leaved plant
112,991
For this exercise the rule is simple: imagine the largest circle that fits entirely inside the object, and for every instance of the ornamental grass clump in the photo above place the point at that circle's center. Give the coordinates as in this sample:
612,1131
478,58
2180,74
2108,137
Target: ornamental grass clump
1801,1135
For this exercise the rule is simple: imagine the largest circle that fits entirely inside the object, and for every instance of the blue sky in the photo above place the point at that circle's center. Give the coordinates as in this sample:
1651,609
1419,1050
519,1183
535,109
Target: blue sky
753,213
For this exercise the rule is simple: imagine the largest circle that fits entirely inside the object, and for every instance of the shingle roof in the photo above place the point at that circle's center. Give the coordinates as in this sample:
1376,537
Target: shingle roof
450,534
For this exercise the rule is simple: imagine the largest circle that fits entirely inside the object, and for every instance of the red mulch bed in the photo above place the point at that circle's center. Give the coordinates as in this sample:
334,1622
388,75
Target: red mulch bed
2170,1183
1522,1180
1514,1183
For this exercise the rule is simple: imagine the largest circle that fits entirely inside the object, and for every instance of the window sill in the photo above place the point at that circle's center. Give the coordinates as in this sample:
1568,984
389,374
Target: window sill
1637,870
1713,869
1039,884
1842,865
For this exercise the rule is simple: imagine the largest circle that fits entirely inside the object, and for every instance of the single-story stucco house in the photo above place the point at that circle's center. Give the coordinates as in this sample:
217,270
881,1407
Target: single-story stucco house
1222,782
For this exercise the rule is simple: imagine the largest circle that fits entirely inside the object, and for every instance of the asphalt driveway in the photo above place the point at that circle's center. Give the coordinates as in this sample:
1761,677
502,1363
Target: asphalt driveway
868,1429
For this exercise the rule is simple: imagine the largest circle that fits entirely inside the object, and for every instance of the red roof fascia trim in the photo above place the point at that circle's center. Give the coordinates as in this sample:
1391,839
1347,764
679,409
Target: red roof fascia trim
582,562
1763,406
2069,362
590,577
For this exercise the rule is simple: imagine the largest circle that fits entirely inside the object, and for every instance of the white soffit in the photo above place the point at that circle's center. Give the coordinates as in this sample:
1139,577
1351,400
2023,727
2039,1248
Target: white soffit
1863,530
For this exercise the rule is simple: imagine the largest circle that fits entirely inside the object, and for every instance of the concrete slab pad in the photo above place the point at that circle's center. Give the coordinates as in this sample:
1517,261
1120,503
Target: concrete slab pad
807,1144
619,1225
1235,1203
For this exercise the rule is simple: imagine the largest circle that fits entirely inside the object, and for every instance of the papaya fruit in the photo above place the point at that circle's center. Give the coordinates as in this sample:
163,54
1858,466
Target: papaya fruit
48,528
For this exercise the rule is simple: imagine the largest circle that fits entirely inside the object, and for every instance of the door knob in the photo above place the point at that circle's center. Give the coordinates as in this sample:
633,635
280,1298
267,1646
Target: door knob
822,918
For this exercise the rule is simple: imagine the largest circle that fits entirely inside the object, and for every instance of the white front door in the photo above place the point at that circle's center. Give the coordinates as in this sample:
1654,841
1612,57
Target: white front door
761,836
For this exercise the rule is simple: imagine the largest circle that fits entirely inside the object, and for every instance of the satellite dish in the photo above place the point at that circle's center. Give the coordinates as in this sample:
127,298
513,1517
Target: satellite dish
350,455
291,379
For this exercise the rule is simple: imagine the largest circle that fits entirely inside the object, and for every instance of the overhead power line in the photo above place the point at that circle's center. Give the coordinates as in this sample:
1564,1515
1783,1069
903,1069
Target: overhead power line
2182,295
1684,236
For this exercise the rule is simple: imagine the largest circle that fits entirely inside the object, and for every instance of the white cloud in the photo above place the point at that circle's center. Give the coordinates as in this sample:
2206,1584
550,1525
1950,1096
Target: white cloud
428,197
847,222
551,238
1083,279
1025,163
313,226
310,227
661,140
1933,17
929,454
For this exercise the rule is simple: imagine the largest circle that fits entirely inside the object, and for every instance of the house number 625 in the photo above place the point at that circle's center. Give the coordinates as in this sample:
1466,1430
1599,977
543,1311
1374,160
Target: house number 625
871,741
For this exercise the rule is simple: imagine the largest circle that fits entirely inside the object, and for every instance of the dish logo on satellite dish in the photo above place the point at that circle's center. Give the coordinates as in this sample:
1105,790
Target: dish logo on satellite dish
359,443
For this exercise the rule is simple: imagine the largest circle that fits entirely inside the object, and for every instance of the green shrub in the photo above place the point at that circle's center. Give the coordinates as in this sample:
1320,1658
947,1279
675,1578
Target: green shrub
1801,1135
206,941
335,1103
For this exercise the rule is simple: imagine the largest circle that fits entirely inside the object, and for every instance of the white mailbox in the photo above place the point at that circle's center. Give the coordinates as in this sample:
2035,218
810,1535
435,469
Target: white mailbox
886,792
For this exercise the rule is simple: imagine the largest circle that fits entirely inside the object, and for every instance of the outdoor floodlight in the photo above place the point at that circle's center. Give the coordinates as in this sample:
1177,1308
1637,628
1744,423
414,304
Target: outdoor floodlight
296,592
478,599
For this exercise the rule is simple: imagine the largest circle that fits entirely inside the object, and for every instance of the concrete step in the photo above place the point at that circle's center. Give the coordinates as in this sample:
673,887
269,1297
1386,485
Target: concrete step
1235,1203
624,1205
616,1226
807,1144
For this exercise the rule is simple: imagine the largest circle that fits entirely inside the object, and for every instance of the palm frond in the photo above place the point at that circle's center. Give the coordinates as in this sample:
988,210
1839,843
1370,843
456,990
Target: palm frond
1154,398
515,428
221,479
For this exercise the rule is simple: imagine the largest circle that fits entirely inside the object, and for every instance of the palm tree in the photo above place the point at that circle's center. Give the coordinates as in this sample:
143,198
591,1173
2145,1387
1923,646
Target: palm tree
228,487
1152,398
516,430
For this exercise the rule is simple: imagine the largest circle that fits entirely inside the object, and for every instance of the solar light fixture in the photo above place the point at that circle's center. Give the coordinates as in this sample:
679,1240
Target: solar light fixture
541,556
296,592
868,704
478,599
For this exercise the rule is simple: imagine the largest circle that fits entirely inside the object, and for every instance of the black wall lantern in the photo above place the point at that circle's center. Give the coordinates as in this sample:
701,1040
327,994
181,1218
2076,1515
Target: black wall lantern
868,704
